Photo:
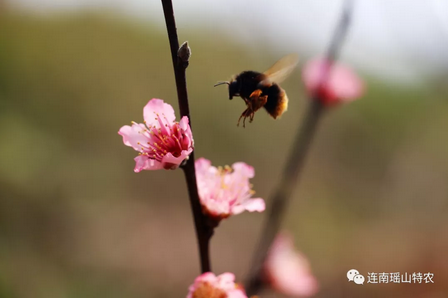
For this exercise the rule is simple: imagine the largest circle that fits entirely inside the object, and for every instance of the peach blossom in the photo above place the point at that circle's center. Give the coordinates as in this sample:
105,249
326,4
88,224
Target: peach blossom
162,142
287,270
226,191
208,285
341,84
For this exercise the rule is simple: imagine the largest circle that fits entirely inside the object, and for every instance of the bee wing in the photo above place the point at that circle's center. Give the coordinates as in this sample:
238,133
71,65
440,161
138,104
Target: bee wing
282,68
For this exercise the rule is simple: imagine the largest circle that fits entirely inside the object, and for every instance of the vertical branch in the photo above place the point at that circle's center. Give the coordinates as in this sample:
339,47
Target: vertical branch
203,231
295,163
341,31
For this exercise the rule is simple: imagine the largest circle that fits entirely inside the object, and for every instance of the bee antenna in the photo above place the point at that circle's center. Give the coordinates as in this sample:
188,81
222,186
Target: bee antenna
221,83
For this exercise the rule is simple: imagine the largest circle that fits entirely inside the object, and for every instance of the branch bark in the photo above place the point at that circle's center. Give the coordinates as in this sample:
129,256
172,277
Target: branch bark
295,163
204,231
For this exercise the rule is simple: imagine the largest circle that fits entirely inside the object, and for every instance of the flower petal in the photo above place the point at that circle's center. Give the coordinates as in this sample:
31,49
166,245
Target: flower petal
250,205
207,276
244,169
183,123
158,106
133,135
226,281
187,140
236,293
171,159
143,162
345,83
202,165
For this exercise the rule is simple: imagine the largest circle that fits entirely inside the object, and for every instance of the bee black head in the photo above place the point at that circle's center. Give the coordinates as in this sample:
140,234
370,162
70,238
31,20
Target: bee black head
233,87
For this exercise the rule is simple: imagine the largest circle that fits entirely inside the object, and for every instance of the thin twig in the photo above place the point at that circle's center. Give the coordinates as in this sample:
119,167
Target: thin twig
295,163
203,231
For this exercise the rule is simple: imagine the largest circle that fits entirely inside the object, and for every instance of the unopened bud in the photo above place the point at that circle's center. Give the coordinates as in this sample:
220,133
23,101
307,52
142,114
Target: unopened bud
184,52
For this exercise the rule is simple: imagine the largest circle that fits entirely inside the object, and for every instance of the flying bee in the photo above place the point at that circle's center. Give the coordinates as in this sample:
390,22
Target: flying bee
262,89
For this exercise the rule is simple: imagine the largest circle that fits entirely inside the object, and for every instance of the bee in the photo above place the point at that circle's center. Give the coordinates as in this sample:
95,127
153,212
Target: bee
262,89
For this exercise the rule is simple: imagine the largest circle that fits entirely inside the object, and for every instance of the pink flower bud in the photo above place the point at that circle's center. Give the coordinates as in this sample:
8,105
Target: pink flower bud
287,270
226,191
161,142
341,83
208,285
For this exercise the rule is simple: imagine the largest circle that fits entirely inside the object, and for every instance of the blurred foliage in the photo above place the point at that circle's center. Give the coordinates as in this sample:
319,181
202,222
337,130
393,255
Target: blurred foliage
75,221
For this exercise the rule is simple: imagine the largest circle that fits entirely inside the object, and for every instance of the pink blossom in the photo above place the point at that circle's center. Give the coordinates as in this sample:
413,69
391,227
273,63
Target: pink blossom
287,270
161,142
207,285
341,84
226,191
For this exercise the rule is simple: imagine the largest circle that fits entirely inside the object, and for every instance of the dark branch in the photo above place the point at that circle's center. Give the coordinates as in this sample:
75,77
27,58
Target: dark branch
295,163
341,31
203,231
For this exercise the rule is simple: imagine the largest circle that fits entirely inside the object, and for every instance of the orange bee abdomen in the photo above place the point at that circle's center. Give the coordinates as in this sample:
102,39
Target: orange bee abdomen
277,102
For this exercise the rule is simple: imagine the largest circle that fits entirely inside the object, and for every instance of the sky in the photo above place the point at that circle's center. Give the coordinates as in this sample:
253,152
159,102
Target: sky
401,40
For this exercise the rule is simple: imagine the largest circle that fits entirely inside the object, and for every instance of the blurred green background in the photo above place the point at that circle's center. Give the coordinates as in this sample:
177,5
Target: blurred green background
76,221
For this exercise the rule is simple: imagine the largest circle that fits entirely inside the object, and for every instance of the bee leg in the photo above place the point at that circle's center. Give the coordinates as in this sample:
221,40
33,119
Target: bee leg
251,118
257,103
256,94
239,119
244,115
256,100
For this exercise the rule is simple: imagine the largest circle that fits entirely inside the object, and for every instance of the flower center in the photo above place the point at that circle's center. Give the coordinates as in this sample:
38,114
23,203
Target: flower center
222,172
206,290
167,138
